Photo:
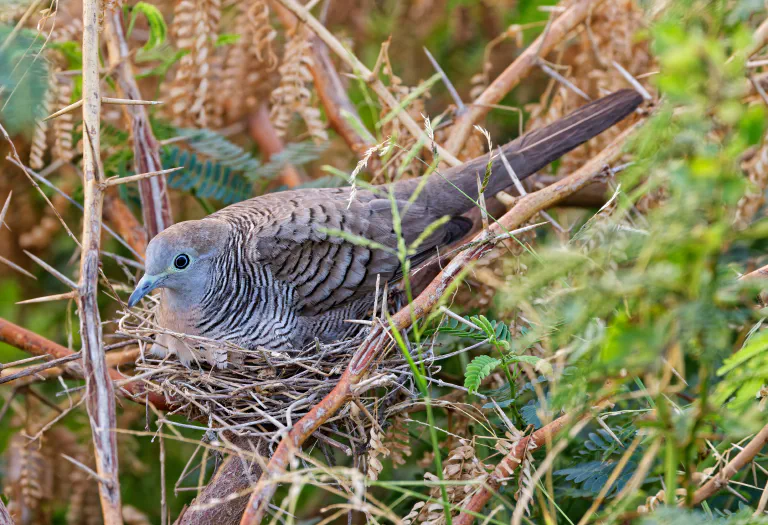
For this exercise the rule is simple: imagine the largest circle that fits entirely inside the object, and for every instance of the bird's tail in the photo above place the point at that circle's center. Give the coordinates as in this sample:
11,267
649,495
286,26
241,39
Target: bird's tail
526,155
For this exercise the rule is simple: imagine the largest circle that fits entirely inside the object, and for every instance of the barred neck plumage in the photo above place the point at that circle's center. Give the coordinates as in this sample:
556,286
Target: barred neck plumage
243,303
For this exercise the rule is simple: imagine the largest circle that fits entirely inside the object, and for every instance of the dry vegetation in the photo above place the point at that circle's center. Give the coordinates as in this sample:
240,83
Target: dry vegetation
596,353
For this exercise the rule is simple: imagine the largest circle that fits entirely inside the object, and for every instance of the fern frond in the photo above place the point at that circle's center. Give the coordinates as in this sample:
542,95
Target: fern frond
480,368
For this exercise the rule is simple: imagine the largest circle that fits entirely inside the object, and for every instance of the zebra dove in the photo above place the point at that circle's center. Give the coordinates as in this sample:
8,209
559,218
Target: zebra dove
269,272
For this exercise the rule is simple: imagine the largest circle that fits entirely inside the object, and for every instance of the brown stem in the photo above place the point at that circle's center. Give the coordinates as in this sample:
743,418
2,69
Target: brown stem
760,273
508,465
264,134
23,339
741,460
116,212
518,70
100,395
153,191
35,344
526,208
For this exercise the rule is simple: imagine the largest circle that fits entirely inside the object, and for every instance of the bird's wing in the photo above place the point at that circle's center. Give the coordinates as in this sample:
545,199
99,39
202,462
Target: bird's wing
294,235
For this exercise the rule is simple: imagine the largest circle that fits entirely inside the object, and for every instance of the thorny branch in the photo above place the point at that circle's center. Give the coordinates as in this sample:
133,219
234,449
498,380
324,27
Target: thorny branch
741,460
100,399
518,70
508,465
526,208
35,344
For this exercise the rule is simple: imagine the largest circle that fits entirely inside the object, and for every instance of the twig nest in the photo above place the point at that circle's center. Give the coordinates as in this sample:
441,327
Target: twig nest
264,392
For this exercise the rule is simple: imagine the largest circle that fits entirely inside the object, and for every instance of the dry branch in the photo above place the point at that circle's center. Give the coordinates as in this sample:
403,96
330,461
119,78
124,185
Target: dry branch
360,69
518,70
23,339
741,460
526,208
218,502
35,344
508,465
153,192
116,212
100,399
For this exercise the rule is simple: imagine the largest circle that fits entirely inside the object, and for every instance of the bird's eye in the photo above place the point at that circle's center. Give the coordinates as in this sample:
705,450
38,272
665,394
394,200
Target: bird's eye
181,261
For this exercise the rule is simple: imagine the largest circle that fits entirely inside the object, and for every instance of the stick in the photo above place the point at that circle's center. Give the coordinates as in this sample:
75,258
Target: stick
359,68
153,192
741,460
35,344
526,208
518,70
100,398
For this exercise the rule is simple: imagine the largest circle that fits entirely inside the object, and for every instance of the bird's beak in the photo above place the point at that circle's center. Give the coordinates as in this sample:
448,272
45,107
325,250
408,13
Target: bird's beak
145,285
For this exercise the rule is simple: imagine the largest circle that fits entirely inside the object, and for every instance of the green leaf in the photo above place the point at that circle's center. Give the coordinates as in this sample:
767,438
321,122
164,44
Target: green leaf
226,39
480,368
158,30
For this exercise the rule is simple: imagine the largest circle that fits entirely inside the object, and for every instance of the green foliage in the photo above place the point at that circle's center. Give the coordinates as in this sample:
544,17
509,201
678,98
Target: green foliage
158,30
744,373
683,516
480,368
593,475
219,169
487,329
23,79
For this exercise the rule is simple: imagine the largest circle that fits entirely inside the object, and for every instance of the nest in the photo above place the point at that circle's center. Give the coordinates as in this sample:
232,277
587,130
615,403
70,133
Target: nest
262,393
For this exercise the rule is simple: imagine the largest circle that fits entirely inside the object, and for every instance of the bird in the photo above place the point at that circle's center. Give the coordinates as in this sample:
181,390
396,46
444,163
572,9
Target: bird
280,270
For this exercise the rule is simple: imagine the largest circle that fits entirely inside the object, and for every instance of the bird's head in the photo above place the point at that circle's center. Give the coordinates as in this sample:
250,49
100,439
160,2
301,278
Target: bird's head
179,258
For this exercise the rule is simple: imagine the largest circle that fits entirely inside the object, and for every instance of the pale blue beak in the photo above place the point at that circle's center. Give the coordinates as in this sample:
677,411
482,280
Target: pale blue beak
144,286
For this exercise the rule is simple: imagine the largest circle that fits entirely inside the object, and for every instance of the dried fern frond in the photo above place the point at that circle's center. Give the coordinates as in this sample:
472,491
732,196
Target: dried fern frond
397,440
28,481
40,138
64,125
462,465
195,26
376,450
246,64
293,95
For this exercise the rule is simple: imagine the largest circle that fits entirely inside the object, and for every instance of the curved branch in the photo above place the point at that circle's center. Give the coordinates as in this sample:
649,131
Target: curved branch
741,460
218,502
508,465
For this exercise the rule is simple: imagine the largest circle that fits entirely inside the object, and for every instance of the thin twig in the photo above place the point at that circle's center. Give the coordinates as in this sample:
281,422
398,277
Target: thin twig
519,69
100,398
448,84
741,460
116,181
153,191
